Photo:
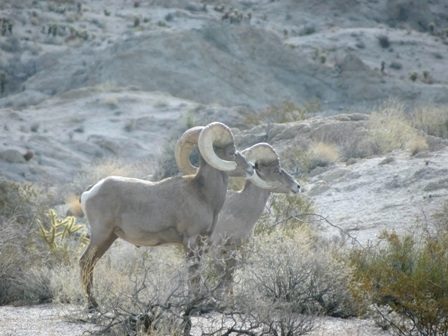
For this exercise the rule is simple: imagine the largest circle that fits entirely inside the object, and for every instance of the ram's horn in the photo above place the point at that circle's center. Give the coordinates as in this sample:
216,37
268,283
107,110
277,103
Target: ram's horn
261,152
219,135
183,149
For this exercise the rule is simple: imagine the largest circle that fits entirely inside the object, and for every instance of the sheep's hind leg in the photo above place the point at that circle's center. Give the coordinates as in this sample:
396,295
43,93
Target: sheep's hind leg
91,255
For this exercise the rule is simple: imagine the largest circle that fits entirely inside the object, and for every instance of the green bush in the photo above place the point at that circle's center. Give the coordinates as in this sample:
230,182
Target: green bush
409,278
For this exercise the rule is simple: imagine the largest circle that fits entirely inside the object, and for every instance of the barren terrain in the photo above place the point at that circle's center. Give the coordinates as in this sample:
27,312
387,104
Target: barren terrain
84,84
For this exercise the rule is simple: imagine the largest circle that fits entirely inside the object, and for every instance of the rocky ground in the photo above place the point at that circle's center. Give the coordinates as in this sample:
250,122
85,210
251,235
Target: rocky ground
84,84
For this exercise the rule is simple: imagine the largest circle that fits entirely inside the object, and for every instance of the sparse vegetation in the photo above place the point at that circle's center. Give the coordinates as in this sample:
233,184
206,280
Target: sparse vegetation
426,77
390,129
318,154
396,65
287,274
6,26
322,154
285,112
407,278
21,211
63,236
383,40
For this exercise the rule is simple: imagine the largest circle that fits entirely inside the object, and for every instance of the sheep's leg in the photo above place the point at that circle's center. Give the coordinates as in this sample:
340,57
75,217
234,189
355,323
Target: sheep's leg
230,263
194,277
225,267
91,255
195,250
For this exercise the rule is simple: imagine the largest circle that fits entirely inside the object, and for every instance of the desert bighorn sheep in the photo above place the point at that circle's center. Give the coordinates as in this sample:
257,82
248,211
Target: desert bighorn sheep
241,210
178,209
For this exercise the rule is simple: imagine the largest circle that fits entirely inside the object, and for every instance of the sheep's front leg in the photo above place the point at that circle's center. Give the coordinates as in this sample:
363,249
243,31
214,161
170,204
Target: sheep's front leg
225,265
195,251
194,276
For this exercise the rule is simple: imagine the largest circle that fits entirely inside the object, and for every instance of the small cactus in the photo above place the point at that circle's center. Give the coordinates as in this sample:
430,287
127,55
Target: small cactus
60,231
6,26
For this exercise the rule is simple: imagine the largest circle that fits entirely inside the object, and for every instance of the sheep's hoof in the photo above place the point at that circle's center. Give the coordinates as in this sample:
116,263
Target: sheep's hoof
92,306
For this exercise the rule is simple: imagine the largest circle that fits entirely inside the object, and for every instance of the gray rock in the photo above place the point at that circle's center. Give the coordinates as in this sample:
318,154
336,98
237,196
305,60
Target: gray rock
12,156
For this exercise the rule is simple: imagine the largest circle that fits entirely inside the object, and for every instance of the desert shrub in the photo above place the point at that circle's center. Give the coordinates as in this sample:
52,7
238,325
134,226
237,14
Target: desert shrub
408,278
322,154
34,242
286,211
22,201
384,41
297,160
413,76
292,272
21,210
432,120
318,154
285,112
289,265
390,129
154,297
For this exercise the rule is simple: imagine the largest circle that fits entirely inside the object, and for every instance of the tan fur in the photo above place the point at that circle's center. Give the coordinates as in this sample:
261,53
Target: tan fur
174,210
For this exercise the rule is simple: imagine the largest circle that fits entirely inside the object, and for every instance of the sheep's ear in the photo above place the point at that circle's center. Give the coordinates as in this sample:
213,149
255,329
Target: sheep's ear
220,135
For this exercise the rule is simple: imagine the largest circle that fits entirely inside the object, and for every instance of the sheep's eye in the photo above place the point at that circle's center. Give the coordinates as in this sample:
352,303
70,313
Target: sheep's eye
256,165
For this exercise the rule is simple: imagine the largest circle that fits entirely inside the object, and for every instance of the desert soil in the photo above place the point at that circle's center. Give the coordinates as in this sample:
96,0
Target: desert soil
84,83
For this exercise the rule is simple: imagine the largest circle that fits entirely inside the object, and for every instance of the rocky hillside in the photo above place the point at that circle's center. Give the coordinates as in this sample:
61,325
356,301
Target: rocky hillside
89,86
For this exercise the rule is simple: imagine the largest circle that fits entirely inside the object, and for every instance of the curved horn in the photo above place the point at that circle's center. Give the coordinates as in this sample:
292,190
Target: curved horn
260,152
218,134
183,149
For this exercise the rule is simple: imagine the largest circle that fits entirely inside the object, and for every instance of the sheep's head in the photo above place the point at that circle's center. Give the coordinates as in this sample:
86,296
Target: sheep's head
216,146
268,172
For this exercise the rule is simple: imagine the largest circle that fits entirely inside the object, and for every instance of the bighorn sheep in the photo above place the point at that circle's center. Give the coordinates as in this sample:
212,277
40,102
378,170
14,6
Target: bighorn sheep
241,210
174,210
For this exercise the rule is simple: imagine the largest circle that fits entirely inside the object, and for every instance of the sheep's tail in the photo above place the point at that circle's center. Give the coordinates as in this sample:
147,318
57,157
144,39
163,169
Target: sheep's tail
74,205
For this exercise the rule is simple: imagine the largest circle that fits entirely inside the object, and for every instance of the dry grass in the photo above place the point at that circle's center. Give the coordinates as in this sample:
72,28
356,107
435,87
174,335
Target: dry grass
318,154
432,120
391,129
323,154
295,271
98,170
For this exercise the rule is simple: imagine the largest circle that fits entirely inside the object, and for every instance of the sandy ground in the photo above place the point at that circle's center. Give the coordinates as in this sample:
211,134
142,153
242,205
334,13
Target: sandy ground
53,320
48,320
